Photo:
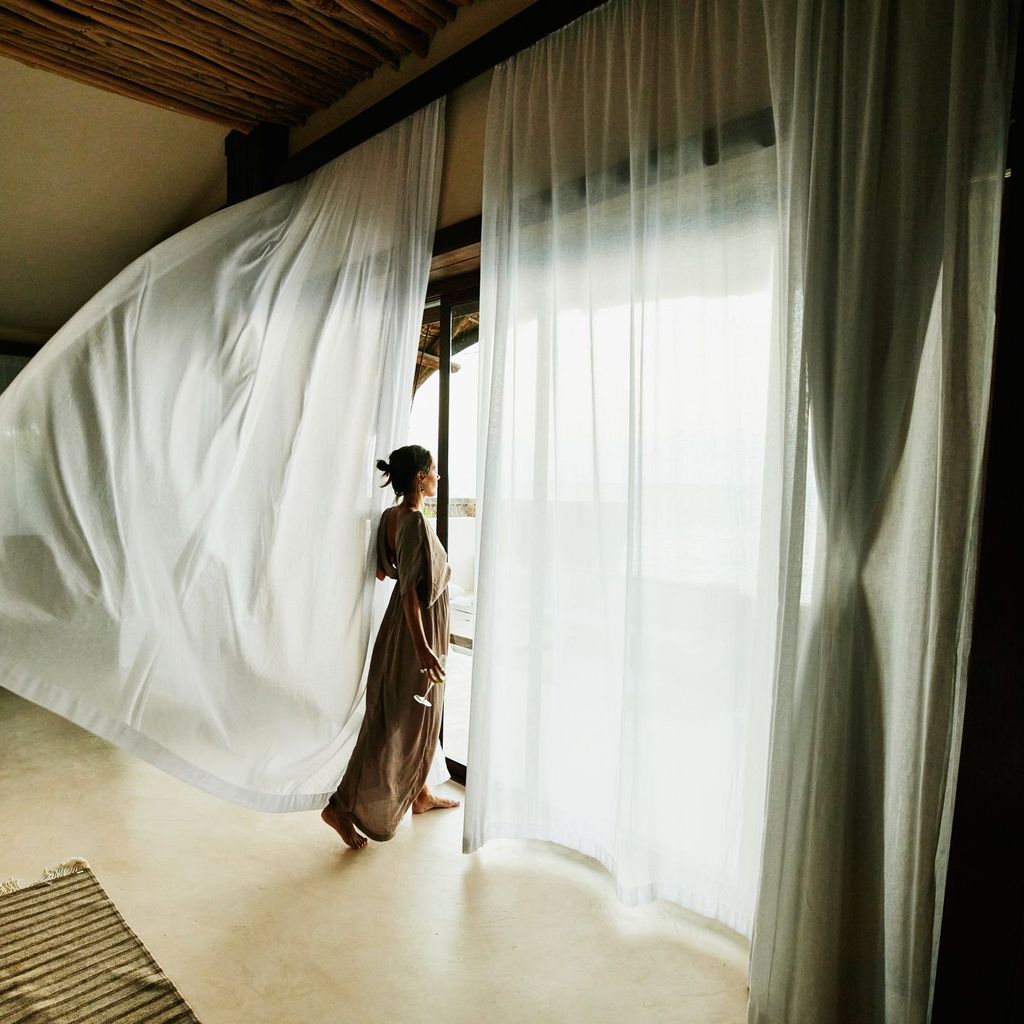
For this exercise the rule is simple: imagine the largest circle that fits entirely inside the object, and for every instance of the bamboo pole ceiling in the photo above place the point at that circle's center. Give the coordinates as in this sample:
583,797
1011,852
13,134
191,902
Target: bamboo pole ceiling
236,62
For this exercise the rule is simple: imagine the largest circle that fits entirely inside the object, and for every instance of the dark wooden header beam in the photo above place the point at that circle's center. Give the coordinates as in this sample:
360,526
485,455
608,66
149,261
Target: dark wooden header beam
457,236
254,161
519,32
25,349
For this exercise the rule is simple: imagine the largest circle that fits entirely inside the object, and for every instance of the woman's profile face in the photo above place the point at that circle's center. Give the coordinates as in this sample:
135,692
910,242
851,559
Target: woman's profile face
428,481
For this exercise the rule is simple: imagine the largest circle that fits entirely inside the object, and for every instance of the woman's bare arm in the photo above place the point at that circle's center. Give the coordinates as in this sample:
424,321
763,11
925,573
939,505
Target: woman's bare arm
414,620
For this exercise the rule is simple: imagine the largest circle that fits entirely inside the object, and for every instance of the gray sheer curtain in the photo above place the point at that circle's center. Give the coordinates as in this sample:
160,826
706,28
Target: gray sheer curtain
639,524
891,122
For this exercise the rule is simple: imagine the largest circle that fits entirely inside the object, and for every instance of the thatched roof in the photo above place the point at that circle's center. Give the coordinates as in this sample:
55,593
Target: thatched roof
465,332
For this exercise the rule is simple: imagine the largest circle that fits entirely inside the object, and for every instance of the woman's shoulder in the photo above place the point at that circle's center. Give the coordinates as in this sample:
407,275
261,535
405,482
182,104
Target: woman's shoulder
398,514
407,520
406,514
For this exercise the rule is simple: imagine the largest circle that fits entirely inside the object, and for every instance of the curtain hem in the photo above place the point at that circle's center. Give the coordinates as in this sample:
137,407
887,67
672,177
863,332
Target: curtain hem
63,703
630,896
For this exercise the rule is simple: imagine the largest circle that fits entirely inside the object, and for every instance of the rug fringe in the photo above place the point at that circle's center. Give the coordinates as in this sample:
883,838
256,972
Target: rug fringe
69,867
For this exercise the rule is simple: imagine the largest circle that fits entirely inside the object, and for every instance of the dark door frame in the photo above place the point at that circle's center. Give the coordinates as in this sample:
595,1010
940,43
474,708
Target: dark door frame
980,969
450,294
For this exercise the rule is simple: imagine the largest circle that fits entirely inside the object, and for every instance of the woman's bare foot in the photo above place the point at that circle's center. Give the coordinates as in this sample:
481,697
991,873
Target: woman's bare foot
427,801
344,827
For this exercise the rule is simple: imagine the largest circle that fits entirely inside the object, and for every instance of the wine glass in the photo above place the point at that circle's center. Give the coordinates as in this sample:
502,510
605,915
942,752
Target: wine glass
421,698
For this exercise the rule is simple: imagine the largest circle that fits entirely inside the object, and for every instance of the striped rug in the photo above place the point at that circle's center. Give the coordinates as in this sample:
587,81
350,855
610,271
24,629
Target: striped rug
68,957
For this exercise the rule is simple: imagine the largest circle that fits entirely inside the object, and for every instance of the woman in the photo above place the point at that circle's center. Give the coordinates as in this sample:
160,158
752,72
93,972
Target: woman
393,753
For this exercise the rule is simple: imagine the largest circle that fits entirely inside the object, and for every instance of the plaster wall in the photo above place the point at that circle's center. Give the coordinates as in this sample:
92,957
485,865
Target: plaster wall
89,180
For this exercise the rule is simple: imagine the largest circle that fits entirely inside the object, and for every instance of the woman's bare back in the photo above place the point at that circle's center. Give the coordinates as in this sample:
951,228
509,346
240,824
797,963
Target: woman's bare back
395,516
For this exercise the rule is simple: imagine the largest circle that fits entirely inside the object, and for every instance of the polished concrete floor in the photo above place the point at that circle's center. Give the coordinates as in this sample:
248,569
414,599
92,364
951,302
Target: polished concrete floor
268,918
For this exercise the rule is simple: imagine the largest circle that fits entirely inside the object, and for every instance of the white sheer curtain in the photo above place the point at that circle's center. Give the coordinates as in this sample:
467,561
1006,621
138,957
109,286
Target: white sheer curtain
188,496
628,561
891,168
689,330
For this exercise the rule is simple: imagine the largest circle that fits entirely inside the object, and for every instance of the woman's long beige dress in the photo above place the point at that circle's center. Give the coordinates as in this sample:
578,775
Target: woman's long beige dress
396,743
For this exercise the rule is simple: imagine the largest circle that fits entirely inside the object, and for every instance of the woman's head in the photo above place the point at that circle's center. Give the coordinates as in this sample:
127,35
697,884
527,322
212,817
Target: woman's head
410,470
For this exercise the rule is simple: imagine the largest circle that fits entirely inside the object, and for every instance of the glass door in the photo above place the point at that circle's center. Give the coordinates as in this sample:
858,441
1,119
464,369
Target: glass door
444,418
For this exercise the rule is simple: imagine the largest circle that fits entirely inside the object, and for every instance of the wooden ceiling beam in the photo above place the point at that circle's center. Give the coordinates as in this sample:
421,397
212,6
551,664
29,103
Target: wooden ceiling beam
433,12
374,20
130,64
113,38
245,61
245,65
111,83
410,14
252,16
445,8
256,53
284,11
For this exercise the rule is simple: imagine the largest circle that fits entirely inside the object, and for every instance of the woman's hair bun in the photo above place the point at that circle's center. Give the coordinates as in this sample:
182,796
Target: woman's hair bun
401,467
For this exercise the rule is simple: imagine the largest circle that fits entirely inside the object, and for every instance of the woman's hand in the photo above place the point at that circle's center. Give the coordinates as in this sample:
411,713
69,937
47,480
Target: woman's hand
430,668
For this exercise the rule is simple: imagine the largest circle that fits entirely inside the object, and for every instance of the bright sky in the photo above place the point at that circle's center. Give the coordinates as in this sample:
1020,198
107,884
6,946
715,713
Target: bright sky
462,436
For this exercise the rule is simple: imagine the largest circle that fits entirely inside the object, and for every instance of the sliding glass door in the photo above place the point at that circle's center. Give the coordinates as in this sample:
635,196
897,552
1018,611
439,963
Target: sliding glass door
444,419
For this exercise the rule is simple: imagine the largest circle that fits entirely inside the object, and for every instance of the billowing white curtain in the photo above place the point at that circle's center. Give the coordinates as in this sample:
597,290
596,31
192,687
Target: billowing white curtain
629,554
187,494
891,122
